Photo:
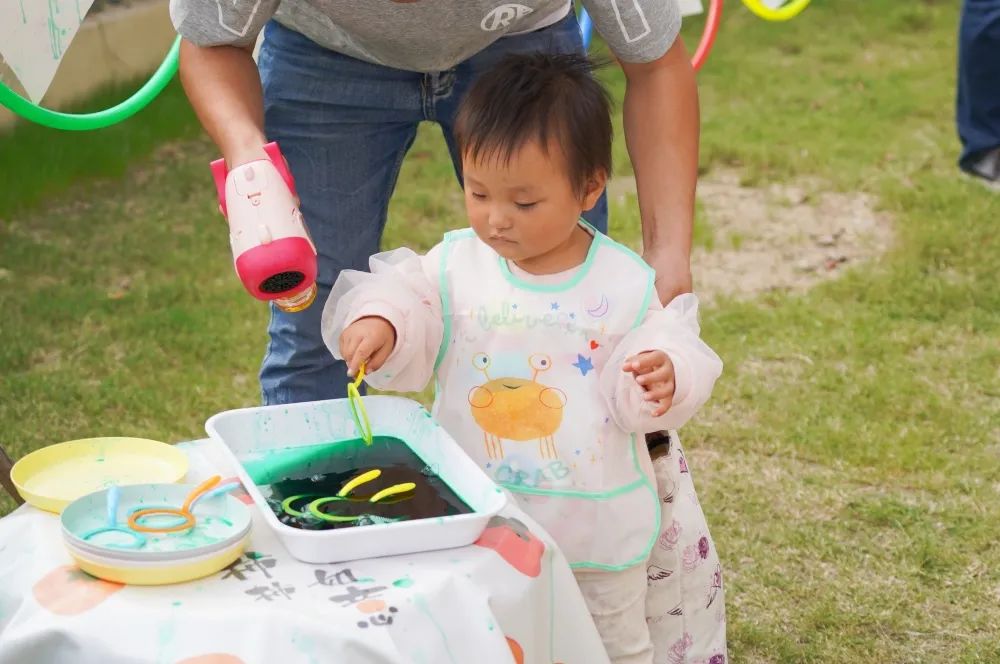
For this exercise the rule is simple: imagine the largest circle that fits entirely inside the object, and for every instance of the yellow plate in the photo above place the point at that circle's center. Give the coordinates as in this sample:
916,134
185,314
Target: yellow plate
54,476
160,574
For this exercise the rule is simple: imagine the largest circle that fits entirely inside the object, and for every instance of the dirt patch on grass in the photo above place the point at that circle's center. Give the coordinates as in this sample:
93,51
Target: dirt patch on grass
785,237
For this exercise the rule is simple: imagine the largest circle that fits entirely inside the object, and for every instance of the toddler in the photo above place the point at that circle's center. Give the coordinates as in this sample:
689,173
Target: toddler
552,356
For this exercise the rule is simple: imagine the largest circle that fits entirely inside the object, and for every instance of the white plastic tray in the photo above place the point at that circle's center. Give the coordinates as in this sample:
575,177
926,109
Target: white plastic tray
247,433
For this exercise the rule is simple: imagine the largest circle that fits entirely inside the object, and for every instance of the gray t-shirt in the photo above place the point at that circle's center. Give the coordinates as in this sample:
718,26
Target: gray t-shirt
425,35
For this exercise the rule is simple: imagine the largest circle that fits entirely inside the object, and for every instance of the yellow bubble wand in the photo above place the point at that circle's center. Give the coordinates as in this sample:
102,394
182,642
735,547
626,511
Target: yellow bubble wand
358,407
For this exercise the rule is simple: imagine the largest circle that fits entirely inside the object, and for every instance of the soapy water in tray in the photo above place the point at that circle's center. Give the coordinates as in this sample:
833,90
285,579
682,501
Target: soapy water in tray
319,471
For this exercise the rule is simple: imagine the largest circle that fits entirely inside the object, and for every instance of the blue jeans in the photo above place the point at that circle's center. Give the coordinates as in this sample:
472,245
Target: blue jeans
978,102
345,125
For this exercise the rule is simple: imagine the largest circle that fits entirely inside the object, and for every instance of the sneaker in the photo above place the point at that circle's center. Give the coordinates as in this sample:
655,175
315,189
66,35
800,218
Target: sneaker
985,168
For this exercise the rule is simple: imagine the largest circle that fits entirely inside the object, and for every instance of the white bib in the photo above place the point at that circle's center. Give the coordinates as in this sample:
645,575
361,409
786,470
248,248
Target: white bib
520,363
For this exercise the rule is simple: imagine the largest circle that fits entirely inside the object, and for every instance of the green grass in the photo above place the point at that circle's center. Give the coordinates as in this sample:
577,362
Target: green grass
849,461
38,163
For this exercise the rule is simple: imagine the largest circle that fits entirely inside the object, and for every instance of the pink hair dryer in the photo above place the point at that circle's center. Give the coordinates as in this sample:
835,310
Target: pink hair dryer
272,251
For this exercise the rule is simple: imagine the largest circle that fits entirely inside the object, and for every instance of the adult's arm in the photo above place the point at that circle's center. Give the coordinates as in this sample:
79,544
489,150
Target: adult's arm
219,74
223,86
661,132
661,128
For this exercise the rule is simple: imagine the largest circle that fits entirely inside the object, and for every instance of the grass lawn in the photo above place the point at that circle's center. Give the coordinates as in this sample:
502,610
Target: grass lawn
849,462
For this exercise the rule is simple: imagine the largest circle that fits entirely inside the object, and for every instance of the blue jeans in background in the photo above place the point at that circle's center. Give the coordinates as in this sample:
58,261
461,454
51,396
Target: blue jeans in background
345,125
978,103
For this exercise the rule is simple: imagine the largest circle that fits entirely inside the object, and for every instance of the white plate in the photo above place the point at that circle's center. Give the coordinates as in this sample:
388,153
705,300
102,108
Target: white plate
223,520
249,433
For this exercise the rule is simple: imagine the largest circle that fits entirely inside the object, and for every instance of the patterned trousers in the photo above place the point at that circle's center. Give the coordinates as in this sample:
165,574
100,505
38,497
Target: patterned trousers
672,610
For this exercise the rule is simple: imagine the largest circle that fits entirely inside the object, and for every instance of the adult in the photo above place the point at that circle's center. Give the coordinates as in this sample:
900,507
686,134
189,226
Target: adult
342,86
978,103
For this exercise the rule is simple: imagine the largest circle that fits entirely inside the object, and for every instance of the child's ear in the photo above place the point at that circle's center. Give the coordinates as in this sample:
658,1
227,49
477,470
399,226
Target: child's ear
594,188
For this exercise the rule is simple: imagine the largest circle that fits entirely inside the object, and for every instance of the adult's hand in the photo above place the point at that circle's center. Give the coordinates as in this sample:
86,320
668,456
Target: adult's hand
673,271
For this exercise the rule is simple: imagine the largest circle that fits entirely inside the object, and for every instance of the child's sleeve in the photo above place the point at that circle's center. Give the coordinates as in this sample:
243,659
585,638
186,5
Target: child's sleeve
675,331
402,288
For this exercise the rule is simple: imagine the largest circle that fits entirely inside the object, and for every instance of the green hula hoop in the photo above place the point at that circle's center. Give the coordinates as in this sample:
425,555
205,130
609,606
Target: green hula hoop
100,119
314,506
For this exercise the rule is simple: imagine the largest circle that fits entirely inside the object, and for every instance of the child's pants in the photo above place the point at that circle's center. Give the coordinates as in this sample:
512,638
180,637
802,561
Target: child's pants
672,610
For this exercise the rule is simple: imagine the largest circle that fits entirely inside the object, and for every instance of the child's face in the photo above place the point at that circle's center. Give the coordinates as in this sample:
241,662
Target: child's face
526,209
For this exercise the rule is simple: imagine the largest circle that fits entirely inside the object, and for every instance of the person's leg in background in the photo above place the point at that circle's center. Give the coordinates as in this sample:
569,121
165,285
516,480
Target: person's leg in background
344,126
561,37
978,97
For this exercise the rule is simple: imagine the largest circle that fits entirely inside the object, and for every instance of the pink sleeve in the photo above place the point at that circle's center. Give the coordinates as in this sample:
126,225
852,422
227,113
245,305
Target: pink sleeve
674,330
402,288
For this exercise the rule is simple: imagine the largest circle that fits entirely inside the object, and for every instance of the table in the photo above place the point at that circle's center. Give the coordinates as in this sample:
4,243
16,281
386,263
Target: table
458,606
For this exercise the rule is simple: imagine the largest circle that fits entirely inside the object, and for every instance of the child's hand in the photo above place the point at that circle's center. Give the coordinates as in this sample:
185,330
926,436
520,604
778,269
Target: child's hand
654,372
367,341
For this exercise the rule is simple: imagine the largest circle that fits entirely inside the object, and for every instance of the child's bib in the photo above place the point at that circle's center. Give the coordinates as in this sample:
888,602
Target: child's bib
520,364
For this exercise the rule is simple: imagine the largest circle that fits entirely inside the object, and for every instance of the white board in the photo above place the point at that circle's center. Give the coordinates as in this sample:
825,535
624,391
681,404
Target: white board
691,7
34,36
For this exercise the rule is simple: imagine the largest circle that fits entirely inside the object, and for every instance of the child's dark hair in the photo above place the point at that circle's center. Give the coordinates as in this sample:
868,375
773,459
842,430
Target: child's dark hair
542,97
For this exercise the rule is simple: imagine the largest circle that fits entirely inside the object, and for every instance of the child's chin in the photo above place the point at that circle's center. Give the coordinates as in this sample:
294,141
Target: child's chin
509,250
